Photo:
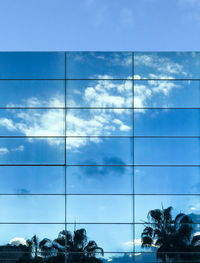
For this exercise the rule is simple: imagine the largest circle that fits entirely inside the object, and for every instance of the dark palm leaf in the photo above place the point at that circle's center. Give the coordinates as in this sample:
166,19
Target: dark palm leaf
91,249
195,240
155,215
148,231
167,214
147,241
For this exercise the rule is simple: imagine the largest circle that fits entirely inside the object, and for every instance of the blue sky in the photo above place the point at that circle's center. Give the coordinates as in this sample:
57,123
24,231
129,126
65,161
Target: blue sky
106,25
99,25
113,118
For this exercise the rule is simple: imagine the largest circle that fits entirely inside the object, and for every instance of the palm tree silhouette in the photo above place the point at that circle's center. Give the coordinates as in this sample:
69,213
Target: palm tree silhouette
175,239
76,246
33,245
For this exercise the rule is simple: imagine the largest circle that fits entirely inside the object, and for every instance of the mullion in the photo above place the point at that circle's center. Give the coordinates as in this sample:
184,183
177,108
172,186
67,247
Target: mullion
133,97
109,79
65,130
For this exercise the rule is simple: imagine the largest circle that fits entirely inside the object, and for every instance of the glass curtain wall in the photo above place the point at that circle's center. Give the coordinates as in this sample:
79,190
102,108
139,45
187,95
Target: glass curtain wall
99,157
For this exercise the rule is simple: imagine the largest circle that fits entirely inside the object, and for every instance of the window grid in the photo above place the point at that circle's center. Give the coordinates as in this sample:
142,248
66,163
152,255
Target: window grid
65,164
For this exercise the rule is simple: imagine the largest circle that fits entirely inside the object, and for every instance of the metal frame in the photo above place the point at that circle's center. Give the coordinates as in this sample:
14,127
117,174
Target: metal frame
133,136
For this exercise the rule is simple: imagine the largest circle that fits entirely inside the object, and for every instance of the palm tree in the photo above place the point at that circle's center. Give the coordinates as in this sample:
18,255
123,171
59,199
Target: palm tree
171,237
45,247
77,246
33,245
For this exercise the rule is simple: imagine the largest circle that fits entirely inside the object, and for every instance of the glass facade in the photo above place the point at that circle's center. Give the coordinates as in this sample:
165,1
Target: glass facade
100,157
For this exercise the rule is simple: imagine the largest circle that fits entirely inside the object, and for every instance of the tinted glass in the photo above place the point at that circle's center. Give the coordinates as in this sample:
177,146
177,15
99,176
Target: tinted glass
99,151
112,237
167,151
100,180
102,65
32,151
166,94
100,209
32,209
167,65
101,122
178,122
32,93
32,122
32,180
158,180
99,93
32,65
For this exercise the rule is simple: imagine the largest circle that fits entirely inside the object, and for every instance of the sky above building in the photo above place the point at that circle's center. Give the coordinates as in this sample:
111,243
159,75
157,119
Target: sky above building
151,25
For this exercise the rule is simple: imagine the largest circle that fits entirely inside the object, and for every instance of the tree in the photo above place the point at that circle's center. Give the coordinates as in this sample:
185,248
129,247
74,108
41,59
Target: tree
171,237
33,245
77,246
45,247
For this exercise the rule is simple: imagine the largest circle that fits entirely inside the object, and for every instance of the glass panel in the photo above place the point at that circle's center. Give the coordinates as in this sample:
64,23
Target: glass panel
102,122
29,122
103,65
107,257
99,180
187,257
111,238
187,204
96,151
32,93
173,247
32,65
146,257
32,209
100,209
27,241
100,93
166,94
167,122
32,180
167,180
16,234
169,151
32,151
167,65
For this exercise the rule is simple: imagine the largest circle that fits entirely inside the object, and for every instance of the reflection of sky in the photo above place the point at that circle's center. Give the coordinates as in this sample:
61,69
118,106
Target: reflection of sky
106,93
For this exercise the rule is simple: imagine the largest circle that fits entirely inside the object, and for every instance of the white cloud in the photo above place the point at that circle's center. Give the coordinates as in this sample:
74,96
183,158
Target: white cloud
17,241
7,123
122,126
20,148
109,94
3,151
93,122
136,242
164,65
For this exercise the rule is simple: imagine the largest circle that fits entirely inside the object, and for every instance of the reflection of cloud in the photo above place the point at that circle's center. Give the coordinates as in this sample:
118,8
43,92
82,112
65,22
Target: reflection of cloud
22,191
3,151
164,65
109,94
18,149
114,94
17,241
143,92
7,123
98,122
106,170
136,242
